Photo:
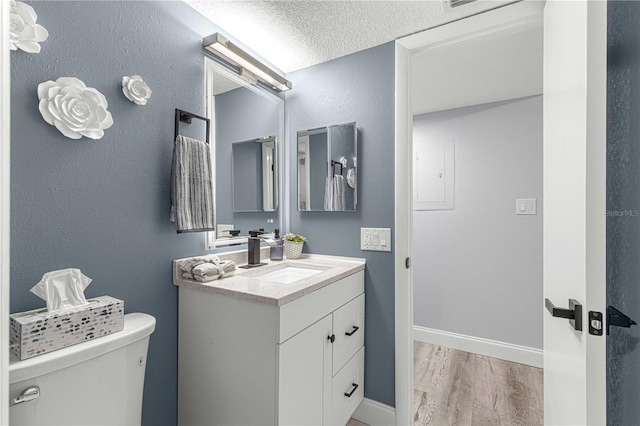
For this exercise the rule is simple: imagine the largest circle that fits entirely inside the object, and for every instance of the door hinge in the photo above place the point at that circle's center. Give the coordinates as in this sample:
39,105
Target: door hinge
407,262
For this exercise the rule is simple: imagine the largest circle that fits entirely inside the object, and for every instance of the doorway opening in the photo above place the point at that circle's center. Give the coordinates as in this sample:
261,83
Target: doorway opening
477,230
475,215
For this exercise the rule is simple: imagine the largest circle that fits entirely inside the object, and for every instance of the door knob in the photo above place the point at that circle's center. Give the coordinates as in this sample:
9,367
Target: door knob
573,314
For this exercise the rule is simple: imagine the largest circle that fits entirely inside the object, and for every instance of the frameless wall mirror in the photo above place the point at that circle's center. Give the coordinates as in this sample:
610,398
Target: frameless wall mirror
327,168
254,175
247,125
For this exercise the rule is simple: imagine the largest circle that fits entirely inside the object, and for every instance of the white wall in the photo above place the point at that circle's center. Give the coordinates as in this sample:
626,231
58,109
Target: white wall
478,268
474,73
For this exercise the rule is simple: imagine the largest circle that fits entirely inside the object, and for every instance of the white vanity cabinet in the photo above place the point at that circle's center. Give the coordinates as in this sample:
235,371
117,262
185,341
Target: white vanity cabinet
243,362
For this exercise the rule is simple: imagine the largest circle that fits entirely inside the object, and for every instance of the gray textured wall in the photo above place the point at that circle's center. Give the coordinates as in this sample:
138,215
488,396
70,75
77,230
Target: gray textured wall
480,263
360,88
103,206
242,115
623,206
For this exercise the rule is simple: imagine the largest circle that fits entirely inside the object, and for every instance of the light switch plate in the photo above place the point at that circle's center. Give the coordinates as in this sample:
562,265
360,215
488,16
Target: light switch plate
526,206
375,239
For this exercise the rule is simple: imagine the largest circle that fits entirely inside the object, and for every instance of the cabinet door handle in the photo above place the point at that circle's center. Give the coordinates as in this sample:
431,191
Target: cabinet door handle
331,338
355,328
348,395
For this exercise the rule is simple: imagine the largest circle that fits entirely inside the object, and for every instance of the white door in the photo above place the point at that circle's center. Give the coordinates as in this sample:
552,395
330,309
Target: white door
575,67
4,211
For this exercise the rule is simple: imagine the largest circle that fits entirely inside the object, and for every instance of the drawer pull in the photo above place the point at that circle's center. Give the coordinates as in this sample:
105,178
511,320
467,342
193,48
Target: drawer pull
331,338
355,328
348,395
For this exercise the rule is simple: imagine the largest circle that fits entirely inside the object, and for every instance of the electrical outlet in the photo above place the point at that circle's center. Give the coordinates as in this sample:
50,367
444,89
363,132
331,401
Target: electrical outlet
375,239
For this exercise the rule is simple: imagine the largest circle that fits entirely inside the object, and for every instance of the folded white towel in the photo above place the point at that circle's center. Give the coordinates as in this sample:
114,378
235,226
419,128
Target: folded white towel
207,268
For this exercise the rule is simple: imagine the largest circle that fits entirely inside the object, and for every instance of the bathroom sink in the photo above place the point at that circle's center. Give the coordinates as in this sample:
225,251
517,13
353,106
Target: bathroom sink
287,275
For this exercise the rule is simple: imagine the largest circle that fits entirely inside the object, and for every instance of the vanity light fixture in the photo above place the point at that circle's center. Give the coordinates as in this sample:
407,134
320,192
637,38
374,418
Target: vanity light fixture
244,63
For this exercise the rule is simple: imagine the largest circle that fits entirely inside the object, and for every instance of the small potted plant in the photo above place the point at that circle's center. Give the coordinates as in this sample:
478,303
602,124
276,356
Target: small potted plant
293,245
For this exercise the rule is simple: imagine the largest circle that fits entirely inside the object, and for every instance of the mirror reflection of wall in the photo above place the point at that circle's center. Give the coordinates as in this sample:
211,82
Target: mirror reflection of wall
327,168
254,175
242,116
312,170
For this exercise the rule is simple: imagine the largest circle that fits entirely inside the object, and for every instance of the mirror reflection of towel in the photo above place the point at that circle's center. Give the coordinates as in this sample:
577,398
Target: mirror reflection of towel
334,197
338,193
328,194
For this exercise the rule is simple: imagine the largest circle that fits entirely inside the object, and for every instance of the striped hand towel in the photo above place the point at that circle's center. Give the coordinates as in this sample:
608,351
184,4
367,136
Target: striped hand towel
338,202
191,186
328,193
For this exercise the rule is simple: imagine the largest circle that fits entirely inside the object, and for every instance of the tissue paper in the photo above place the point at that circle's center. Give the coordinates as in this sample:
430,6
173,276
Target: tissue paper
62,289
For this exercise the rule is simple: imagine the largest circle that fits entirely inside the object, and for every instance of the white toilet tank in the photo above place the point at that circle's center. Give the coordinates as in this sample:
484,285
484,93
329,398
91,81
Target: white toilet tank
98,382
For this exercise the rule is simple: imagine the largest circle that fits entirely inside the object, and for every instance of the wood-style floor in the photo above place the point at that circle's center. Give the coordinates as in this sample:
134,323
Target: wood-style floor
452,387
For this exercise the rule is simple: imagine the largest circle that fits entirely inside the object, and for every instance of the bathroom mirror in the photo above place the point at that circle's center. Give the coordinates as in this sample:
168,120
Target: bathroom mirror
247,125
327,168
254,175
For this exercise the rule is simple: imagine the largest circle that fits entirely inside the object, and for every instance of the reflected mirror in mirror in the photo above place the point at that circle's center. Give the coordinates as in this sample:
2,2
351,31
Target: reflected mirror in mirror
242,114
327,168
254,175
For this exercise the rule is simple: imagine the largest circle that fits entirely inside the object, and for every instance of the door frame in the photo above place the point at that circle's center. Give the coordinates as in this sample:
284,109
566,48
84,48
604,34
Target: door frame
5,211
497,22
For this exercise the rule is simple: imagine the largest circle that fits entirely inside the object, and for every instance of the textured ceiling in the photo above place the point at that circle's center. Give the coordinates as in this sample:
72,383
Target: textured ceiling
294,34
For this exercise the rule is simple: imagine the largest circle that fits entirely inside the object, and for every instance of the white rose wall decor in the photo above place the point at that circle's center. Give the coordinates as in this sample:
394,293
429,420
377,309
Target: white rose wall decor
24,33
73,108
135,89
67,103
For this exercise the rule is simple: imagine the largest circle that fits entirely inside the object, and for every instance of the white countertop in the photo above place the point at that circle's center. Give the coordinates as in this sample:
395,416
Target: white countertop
244,284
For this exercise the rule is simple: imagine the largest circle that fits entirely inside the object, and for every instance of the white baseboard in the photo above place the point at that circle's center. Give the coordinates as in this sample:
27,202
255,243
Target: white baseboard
476,345
375,413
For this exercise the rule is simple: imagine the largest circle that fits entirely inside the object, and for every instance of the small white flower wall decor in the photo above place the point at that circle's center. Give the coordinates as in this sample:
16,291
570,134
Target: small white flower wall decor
73,108
24,33
135,89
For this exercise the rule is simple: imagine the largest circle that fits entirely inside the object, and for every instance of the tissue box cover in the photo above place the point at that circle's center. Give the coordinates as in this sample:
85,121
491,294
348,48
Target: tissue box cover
38,332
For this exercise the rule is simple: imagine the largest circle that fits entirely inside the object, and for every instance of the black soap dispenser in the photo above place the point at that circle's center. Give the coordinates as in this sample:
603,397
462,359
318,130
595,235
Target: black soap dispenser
277,250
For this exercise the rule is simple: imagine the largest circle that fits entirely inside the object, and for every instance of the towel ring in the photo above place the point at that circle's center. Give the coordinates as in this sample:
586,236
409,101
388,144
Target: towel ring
185,117
334,164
